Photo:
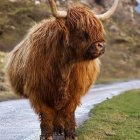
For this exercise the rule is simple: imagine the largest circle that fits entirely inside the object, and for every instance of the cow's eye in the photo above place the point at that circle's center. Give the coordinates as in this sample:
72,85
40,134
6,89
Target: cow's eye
85,35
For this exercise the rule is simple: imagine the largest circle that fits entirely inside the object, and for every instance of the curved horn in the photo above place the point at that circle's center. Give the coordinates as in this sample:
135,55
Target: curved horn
109,12
55,12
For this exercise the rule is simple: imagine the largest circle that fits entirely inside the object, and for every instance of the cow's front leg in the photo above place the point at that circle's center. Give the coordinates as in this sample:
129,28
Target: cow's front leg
46,125
70,125
69,122
63,94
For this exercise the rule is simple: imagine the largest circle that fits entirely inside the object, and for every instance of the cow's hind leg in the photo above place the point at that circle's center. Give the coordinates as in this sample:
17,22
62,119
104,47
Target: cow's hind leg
59,124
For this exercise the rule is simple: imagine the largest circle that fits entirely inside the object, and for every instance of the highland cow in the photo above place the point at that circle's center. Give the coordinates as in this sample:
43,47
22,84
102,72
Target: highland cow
56,64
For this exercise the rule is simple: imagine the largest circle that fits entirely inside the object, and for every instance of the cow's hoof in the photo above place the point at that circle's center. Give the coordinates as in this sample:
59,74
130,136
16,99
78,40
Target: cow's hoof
50,138
70,135
44,138
67,138
58,130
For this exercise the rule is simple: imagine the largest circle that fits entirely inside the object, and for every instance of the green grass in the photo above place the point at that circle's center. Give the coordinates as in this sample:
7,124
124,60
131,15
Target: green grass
6,96
115,119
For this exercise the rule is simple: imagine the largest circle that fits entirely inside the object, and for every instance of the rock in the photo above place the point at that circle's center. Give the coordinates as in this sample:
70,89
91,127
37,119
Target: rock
114,28
1,31
37,2
12,0
13,27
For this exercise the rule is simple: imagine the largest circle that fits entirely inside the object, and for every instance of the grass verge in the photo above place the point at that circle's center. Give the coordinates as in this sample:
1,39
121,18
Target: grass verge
5,94
115,119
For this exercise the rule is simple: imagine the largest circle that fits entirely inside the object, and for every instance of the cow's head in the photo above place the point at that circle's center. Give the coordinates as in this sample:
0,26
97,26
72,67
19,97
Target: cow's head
84,30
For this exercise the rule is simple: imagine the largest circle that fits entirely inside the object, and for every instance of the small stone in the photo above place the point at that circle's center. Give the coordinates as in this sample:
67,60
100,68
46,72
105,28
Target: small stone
114,28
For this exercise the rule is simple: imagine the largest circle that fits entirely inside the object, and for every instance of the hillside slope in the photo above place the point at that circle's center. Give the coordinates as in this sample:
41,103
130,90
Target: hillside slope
16,18
122,57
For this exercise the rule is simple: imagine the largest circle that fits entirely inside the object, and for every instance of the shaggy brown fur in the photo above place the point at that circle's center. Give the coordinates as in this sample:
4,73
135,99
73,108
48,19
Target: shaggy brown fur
55,65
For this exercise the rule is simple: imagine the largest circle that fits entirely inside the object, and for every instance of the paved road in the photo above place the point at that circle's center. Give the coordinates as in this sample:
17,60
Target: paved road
18,121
